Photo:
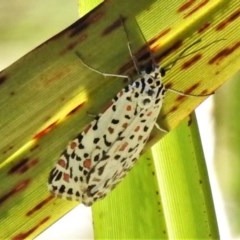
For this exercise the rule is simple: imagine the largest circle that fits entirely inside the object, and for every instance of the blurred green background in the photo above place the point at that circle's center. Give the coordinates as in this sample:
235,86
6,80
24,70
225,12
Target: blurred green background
26,24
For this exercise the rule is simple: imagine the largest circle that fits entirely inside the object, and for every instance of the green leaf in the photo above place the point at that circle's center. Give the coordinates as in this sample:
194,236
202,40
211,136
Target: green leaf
46,94
171,199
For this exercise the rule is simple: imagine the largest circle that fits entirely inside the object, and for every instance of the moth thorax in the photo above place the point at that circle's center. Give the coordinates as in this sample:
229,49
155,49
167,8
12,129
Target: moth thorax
148,99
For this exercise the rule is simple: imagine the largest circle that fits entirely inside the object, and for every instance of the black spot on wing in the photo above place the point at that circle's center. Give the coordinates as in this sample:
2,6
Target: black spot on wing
115,121
96,140
114,108
70,191
108,144
52,175
145,128
59,176
62,189
81,146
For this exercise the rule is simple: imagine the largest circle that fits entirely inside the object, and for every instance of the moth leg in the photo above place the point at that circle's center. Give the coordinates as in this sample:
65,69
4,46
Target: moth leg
99,72
160,128
94,115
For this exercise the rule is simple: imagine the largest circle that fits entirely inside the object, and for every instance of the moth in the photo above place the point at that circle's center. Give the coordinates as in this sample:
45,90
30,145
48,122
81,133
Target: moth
106,150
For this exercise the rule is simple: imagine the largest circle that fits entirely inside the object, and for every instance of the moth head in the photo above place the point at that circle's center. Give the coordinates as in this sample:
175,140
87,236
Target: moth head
154,70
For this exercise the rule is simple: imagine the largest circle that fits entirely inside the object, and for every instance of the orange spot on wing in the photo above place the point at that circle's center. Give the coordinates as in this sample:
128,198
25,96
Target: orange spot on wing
123,146
129,108
62,163
87,163
66,177
137,129
73,145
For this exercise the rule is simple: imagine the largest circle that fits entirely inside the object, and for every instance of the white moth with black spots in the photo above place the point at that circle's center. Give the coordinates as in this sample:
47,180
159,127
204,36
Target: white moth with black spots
99,158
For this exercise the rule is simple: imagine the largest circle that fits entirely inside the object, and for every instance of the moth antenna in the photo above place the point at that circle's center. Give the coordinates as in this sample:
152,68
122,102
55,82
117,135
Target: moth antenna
181,55
188,94
130,48
129,45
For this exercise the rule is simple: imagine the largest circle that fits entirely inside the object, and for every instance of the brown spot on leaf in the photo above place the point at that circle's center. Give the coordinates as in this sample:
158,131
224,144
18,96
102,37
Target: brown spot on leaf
186,5
83,23
160,35
223,54
192,88
34,147
198,7
204,27
45,130
40,205
115,25
191,61
228,20
23,166
8,148
173,109
24,235
168,51
74,110
3,79
180,98
18,188
72,45
168,85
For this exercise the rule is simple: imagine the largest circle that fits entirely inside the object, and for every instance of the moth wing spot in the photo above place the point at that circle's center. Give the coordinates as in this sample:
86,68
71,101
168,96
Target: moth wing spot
62,163
110,130
128,107
66,177
87,163
123,147
73,145
137,129
87,128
